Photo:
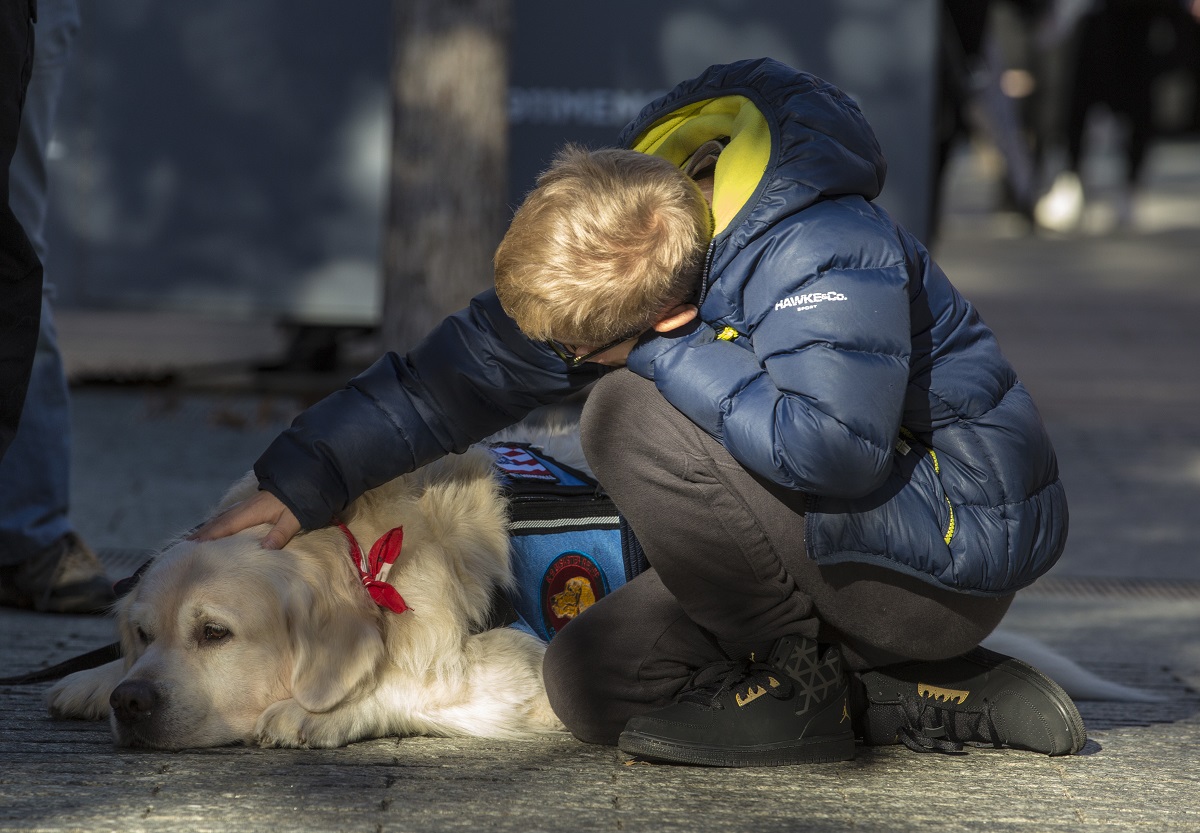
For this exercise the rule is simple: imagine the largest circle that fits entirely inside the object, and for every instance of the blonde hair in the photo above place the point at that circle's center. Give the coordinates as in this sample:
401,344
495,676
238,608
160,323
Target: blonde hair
601,245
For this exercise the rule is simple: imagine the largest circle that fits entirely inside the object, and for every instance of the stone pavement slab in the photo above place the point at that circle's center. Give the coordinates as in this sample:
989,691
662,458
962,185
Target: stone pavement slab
1138,770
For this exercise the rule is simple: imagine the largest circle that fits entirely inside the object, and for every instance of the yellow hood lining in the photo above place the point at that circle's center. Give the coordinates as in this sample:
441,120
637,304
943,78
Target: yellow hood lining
740,166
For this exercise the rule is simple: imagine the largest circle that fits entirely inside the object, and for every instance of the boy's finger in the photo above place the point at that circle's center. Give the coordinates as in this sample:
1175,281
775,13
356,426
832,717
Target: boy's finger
217,527
283,531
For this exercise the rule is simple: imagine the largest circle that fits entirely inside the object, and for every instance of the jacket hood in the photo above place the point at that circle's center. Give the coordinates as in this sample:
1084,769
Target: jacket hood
793,139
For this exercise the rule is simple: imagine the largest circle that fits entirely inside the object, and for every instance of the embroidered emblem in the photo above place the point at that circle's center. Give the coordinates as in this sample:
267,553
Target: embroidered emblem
519,463
571,584
575,598
954,695
373,568
754,693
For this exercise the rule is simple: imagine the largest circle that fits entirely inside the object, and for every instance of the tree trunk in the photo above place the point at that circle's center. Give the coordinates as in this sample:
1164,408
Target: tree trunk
447,195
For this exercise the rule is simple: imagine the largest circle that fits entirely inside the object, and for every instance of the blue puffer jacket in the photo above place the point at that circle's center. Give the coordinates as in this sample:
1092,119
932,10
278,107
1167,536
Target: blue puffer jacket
834,358
837,358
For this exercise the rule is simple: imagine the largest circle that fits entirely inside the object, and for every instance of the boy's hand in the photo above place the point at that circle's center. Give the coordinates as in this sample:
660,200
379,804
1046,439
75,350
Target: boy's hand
262,508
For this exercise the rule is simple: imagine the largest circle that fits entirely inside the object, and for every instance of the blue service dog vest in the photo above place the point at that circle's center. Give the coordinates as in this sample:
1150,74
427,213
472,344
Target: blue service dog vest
570,547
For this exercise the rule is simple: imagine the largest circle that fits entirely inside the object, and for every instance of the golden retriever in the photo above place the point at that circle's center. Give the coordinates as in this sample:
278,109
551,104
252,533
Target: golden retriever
224,642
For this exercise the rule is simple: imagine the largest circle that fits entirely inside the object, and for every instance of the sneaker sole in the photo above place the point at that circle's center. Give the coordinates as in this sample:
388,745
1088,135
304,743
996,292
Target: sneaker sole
811,751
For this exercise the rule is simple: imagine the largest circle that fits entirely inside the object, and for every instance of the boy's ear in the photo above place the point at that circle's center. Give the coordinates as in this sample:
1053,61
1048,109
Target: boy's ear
675,317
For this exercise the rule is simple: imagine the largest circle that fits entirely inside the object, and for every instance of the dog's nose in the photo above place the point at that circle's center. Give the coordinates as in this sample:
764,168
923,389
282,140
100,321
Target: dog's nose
134,700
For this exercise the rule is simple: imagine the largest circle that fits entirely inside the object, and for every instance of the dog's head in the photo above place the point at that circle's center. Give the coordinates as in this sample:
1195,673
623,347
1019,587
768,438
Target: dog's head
215,632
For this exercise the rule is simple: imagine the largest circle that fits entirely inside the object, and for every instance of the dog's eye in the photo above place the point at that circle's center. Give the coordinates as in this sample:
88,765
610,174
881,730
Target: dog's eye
214,632
143,637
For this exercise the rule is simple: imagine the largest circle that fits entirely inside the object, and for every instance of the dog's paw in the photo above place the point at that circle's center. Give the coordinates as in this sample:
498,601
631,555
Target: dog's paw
84,694
287,724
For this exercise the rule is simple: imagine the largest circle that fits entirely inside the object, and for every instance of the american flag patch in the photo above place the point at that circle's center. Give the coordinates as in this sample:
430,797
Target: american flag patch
519,463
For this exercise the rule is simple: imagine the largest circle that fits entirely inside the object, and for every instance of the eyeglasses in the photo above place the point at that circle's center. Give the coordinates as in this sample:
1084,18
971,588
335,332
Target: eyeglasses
567,353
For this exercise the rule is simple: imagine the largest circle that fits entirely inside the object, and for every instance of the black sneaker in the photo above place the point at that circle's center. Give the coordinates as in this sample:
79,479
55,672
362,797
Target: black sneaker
66,578
980,698
792,709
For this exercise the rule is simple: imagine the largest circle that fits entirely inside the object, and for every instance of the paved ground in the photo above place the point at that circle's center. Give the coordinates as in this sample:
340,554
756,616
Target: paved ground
1101,326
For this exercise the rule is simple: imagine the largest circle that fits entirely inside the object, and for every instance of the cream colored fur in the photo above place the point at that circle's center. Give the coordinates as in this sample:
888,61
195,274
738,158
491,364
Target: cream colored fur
309,659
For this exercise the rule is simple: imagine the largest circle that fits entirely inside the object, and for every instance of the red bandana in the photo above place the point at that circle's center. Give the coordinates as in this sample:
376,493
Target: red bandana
383,554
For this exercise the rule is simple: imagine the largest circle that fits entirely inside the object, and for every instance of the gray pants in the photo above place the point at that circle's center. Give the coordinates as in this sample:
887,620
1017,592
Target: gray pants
728,576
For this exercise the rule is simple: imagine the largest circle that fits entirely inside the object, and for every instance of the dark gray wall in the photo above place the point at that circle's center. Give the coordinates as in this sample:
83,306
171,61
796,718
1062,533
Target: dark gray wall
225,156
229,156
583,70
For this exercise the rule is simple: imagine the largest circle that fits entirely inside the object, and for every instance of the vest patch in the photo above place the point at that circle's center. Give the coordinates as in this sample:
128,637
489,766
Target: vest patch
572,583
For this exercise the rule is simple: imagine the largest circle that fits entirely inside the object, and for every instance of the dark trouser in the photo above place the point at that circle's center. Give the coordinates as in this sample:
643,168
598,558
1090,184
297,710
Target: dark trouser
20,269
729,575
1115,66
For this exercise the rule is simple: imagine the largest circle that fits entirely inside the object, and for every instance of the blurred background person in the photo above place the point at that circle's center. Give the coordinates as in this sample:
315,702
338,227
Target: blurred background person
1120,48
985,94
44,565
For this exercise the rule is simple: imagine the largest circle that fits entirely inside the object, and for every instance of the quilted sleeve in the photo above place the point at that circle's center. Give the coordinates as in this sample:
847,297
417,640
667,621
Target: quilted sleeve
474,374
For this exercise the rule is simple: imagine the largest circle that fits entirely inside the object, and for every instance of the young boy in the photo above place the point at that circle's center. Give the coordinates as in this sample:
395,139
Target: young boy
838,480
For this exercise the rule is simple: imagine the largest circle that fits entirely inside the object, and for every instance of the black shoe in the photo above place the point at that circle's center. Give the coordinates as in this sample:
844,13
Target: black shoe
792,709
66,578
980,698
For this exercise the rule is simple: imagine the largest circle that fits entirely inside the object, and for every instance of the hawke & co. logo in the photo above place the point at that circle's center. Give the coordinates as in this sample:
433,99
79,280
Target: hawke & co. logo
808,300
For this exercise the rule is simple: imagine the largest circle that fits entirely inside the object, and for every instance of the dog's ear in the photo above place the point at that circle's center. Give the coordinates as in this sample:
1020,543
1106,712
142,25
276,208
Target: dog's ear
336,652
131,647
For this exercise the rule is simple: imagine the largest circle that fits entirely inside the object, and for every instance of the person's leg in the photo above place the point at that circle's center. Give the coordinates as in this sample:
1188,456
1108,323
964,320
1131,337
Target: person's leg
730,546
634,650
1061,208
719,541
1131,95
629,653
729,576
34,476
45,564
20,270
880,617
57,26
34,473
1083,96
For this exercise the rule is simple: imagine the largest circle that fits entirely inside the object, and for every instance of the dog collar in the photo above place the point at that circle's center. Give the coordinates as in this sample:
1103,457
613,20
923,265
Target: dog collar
373,568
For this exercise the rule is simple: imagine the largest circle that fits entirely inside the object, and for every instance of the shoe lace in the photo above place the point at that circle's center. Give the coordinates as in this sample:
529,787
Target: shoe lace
737,676
930,725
